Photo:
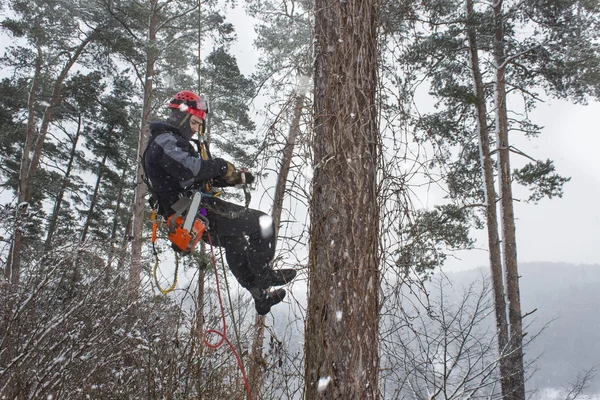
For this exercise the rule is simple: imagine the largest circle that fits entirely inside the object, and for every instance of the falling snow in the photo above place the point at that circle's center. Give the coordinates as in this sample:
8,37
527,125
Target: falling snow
308,173
266,225
323,383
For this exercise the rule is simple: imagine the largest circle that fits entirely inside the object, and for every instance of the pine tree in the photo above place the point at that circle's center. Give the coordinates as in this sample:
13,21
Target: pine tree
54,42
476,64
341,347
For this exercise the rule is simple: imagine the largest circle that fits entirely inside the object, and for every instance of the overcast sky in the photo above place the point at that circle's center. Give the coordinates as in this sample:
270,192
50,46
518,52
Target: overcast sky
568,228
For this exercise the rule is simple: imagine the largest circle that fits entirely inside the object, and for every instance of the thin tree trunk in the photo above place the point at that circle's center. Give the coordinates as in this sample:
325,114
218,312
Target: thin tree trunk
258,363
490,202
94,199
63,188
13,266
139,201
509,244
341,341
124,246
198,334
115,226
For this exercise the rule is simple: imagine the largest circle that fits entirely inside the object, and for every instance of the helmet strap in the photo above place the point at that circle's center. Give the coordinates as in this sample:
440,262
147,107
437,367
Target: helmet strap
184,120
184,127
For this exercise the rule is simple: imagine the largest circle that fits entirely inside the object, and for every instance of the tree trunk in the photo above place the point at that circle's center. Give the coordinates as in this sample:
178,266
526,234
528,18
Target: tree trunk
63,188
115,225
341,340
55,101
139,201
94,199
490,203
30,163
257,364
13,266
509,244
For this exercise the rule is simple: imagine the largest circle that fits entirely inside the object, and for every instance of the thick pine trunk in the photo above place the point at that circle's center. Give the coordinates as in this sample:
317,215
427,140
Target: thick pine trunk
490,204
516,389
342,359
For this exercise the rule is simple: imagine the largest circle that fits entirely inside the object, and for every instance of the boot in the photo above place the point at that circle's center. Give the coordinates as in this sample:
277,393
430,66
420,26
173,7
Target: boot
274,277
267,300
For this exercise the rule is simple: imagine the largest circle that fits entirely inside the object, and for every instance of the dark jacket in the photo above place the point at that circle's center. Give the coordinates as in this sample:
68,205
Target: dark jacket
172,165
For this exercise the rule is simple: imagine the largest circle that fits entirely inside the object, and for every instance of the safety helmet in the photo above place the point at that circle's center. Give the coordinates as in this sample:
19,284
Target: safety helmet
190,103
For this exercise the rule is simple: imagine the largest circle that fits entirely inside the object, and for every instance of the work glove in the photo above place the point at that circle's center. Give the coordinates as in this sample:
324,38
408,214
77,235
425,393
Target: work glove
230,175
234,177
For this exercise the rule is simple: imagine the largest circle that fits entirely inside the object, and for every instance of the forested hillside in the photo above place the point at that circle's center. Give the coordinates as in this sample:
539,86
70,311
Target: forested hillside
563,323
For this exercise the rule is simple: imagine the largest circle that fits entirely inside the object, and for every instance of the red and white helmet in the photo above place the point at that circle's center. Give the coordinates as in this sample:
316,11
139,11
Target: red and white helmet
190,103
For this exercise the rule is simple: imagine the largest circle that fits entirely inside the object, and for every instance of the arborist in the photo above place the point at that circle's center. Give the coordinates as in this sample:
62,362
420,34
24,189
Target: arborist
177,171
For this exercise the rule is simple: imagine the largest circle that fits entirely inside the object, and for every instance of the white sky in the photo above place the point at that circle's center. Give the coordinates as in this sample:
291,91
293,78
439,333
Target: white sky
563,229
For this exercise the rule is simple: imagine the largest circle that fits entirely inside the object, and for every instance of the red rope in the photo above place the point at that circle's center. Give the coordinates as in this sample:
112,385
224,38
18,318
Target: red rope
223,334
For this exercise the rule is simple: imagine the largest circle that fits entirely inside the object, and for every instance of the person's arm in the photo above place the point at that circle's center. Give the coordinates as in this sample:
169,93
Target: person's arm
185,167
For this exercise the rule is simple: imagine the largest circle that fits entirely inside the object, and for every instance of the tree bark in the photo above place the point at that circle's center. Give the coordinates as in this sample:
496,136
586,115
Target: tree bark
509,244
342,359
139,200
490,204
63,188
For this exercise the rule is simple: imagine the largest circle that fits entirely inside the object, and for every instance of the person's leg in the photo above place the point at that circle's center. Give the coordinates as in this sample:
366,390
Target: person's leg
248,238
246,234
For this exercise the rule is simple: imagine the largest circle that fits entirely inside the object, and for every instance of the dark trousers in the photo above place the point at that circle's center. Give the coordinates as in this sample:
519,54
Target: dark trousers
247,236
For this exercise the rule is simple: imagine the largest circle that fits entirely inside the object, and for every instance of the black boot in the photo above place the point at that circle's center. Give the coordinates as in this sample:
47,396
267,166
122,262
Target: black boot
270,277
267,300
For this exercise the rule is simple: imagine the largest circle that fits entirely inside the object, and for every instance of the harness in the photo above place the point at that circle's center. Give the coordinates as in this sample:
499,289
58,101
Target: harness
185,227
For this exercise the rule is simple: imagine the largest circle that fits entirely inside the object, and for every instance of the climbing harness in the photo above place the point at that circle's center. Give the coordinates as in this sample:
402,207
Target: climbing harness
184,234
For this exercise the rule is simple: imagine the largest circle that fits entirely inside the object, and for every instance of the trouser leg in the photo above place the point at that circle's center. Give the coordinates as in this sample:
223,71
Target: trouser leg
246,235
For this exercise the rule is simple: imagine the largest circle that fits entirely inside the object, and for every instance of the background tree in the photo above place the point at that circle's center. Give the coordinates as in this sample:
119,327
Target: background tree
440,342
54,42
284,32
502,65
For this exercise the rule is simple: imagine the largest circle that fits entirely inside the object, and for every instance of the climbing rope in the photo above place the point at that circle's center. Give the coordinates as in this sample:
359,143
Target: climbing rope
223,334
174,284
156,260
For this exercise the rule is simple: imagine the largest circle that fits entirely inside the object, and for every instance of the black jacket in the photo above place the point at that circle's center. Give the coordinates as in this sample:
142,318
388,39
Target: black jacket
172,164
